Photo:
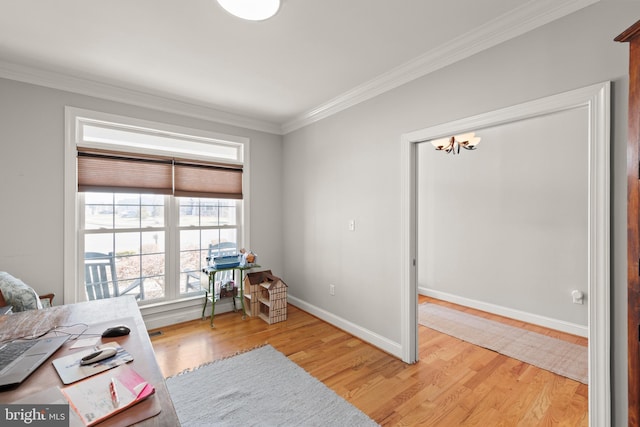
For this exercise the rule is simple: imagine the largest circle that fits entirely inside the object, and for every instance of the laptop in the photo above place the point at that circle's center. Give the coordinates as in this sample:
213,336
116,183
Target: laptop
20,358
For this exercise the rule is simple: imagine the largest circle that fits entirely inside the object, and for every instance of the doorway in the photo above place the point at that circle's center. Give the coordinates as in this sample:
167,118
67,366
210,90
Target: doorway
594,100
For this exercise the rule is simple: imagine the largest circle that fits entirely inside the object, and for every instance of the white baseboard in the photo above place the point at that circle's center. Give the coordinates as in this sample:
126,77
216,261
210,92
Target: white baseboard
372,338
160,315
547,322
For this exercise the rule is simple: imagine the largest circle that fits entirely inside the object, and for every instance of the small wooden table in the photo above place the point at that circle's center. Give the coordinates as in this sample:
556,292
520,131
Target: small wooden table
111,312
210,292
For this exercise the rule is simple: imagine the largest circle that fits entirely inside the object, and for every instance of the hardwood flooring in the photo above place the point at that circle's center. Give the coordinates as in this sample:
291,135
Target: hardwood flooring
453,384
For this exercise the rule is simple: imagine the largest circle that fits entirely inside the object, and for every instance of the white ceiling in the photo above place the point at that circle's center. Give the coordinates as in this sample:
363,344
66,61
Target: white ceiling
313,58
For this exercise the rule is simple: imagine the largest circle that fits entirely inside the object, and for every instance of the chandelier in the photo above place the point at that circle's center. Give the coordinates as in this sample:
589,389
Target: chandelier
468,141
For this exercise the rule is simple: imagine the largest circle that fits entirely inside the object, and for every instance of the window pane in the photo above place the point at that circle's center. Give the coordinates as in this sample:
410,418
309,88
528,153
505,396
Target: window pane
209,237
152,210
98,216
152,265
102,243
152,242
189,212
127,243
152,216
100,275
209,209
127,216
207,212
227,212
98,211
190,269
229,235
219,242
128,267
154,287
127,210
189,240
130,287
195,247
191,260
190,282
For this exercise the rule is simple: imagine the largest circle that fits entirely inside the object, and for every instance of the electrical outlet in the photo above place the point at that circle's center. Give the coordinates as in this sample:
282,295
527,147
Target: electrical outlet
332,289
578,297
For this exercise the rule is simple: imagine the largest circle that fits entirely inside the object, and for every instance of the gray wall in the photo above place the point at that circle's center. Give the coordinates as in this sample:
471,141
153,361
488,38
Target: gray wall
348,167
32,171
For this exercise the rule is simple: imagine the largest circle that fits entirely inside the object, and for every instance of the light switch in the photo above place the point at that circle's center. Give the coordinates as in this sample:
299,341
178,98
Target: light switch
352,225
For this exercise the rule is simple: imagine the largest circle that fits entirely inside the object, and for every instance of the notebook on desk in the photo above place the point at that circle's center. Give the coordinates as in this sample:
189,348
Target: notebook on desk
20,358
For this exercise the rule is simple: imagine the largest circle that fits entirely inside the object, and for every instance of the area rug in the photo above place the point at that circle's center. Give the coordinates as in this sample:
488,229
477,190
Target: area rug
552,354
261,387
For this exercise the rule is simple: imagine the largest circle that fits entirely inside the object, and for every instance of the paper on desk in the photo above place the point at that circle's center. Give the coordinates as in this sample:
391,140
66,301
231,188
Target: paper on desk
91,399
86,342
70,370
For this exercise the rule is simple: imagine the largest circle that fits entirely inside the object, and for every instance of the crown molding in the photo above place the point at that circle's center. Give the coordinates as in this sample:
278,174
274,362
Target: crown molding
530,16
112,92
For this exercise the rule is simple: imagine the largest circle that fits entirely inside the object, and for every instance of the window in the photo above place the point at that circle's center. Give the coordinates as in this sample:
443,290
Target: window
151,203
128,233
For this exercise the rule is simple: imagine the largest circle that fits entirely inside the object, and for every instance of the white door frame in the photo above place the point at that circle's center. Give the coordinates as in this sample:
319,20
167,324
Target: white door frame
596,99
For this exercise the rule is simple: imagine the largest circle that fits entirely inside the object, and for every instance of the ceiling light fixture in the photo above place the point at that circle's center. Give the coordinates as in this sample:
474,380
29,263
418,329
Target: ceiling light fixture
251,10
468,141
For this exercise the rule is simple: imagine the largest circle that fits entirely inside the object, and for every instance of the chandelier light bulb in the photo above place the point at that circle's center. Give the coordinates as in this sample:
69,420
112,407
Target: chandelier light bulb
251,10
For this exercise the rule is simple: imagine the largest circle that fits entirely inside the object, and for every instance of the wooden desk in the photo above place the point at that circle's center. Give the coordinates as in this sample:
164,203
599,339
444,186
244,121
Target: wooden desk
99,313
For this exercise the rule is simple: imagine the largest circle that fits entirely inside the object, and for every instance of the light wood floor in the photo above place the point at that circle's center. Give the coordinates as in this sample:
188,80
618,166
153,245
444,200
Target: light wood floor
453,384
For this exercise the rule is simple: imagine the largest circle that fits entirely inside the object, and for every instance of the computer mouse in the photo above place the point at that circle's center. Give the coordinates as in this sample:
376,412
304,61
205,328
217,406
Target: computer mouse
116,331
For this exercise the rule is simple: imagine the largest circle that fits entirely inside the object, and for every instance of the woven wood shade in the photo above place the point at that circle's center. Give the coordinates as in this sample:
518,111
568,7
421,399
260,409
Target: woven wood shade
122,172
202,180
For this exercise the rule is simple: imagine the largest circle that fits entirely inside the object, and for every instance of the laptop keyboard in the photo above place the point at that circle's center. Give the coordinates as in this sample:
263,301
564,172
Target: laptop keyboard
10,351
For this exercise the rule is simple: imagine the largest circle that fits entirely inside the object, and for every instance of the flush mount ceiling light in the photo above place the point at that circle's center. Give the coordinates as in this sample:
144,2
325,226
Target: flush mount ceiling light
468,141
251,10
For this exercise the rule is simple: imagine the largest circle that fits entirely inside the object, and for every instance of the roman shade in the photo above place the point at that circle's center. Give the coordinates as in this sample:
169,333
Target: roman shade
207,180
108,171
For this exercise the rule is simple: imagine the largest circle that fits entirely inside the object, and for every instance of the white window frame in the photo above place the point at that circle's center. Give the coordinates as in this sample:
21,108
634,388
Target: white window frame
73,290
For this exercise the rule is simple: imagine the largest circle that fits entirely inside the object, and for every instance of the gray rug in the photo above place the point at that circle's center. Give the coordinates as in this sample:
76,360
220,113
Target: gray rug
261,387
552,354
